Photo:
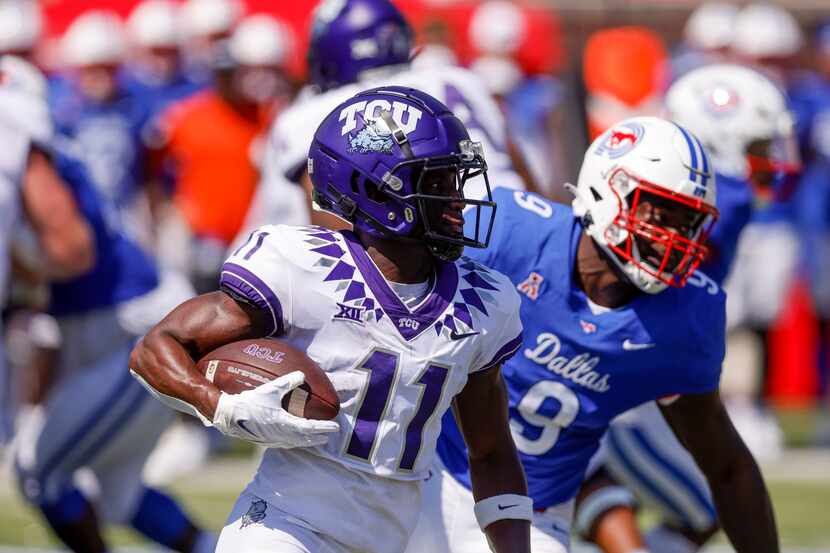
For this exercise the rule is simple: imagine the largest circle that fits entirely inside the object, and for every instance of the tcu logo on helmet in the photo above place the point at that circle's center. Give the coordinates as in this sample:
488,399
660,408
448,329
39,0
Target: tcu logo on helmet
404,115
620,140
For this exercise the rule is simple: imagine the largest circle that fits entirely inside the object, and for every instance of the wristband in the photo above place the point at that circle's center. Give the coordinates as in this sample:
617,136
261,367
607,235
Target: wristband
505,506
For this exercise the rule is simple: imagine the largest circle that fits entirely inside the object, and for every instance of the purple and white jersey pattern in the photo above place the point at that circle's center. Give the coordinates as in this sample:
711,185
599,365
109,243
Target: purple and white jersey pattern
395,369
458,88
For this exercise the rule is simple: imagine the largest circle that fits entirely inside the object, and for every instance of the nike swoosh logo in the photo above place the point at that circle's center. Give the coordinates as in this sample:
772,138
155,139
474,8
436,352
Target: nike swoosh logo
503,507
628,345
454,336
241,424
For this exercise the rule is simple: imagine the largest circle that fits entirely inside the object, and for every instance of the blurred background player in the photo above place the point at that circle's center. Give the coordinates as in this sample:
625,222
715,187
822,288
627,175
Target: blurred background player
518,51
103,118
156,70
212,144
20,28
31,191
89,416
766,270
707,37
380,45
742,119
204,24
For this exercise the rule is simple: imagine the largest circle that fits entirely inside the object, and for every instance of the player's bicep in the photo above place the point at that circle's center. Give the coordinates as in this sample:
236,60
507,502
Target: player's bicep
481,412
702,425
206,322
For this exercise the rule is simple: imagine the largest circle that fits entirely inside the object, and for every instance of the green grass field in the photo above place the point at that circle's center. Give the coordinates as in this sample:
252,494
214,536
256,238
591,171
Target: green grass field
802,508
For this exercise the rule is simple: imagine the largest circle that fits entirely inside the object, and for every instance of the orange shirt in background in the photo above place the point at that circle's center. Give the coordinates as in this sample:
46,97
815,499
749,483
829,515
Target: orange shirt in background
212,148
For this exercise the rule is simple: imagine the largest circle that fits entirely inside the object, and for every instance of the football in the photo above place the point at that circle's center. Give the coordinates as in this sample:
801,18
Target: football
246,364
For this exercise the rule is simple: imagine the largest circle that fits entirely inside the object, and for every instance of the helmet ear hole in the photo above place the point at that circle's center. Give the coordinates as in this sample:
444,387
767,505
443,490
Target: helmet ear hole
596,194
353,182
373,192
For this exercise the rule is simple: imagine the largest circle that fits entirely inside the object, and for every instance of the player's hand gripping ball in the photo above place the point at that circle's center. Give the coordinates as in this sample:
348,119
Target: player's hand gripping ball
246,364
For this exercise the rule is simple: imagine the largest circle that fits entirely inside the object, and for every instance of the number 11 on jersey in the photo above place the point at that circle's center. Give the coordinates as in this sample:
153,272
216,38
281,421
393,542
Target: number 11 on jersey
382,378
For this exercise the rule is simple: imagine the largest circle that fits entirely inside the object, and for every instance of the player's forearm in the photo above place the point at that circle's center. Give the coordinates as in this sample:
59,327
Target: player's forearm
744,507
497,474
165,365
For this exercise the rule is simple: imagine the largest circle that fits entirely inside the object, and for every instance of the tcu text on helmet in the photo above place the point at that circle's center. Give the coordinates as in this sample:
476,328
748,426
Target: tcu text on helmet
372,110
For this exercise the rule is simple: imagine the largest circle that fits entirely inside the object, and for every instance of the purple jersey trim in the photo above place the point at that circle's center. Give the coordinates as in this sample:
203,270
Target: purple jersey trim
246,284
504,353
427,312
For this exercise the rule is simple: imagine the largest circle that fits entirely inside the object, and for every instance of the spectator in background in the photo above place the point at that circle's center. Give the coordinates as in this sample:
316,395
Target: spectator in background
20,27
213,141
502,33
626,71
156,71
104,120
204,24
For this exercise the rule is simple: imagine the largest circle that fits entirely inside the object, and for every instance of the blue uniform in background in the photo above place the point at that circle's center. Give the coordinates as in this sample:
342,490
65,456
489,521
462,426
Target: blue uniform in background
734,203
580,365
100,418
122,270
108,135
158,95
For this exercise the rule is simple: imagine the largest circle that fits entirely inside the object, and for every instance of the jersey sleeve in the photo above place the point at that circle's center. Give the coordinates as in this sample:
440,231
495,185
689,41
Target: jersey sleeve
504,339
707,348
260,274
289,141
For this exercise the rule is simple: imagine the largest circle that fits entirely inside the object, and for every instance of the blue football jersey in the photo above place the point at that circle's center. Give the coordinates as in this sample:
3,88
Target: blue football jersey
122,270
580,367
734,202
109,138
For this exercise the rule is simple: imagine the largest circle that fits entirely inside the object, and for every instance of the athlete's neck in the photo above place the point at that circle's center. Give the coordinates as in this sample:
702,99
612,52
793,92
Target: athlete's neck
599,278
399,261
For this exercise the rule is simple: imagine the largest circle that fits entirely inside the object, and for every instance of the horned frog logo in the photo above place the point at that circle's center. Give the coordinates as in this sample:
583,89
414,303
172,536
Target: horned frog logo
374,137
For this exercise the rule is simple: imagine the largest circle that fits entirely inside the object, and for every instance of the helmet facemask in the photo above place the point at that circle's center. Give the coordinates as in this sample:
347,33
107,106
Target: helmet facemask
774,166
657,237
439,199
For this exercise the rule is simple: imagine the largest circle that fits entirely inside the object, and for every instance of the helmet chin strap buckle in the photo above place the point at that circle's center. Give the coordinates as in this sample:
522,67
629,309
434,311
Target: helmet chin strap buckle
398,134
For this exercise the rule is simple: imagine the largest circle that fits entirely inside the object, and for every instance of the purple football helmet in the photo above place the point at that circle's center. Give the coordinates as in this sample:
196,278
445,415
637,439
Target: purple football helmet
349,37
375,161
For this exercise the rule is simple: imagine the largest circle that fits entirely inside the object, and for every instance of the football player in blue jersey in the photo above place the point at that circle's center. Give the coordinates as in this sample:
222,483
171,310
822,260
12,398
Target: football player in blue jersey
742,119
94,416
615,315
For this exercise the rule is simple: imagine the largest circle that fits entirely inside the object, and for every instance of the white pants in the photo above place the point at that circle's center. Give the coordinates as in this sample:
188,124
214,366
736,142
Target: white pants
642,452
255,526
448,524
762,274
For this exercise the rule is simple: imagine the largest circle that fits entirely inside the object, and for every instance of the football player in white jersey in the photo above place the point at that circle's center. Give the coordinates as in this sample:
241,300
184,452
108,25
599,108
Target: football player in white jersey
355,45
31,190
404,326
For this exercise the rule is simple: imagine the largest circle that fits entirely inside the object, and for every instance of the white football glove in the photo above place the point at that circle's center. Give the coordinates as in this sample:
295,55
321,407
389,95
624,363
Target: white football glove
257,416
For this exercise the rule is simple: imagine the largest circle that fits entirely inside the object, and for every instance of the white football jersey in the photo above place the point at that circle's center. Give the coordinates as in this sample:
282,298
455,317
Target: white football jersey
461,90
396,370
20,123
